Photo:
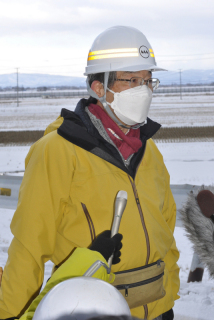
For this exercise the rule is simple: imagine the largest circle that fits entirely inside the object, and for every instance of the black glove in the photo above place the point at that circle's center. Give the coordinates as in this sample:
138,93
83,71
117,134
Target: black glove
106,245
169,315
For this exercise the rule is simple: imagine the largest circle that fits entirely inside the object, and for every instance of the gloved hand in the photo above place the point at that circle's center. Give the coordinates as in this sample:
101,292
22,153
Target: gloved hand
106,245
169,315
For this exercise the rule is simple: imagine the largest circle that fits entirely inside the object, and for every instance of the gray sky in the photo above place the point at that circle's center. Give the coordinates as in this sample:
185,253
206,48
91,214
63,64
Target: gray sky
54,36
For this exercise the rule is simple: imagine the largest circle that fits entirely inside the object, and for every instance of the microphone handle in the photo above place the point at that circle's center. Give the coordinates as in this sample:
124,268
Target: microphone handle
120,205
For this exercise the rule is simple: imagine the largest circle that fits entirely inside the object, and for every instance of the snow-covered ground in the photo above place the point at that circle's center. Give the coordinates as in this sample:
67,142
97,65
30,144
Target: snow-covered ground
32,114
191,111
169,110
190,162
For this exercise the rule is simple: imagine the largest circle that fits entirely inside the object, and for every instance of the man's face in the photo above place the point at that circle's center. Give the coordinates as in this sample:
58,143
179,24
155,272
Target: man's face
119,86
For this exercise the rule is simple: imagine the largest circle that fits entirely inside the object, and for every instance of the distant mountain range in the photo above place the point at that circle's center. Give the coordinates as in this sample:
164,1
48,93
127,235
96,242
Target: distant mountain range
35,80
193,77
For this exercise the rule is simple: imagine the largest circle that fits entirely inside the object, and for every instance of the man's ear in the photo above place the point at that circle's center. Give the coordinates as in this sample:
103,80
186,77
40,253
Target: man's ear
97,87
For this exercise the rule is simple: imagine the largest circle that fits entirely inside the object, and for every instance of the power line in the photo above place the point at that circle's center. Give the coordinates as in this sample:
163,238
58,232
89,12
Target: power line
77,58
80,64
187,59
169,55
185,55
166,74
56,66
186,81
9,68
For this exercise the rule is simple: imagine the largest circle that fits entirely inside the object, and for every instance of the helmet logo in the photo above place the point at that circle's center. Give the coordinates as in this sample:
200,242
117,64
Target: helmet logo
144,52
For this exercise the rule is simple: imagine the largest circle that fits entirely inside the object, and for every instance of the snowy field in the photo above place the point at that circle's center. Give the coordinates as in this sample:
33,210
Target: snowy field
190,163
169,110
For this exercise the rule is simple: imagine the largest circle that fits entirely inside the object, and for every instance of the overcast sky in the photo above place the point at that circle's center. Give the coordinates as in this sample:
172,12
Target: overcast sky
54,36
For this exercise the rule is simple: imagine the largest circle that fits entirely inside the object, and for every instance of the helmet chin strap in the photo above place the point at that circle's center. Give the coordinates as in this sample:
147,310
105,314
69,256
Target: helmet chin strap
105,103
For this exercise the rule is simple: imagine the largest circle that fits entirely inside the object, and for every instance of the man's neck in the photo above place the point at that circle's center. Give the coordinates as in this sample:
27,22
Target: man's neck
124,130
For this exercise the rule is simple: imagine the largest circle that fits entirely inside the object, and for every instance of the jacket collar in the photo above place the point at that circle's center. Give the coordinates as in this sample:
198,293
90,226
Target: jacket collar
147,131
79,130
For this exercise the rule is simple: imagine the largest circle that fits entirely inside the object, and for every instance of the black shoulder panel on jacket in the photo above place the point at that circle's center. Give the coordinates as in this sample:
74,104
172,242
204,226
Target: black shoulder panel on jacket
77,134
71,115
149,129
80,137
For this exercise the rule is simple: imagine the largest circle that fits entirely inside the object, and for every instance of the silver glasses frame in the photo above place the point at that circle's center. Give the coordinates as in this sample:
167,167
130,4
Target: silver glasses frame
153,81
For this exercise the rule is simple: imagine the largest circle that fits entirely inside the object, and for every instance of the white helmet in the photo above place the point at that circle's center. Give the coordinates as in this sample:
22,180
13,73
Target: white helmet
81,298
121,48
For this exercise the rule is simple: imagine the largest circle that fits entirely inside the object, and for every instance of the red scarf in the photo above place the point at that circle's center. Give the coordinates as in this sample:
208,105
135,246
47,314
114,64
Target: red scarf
127,143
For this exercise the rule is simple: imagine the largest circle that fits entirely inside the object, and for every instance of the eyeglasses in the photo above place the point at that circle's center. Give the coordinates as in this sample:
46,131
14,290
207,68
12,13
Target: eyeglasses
138,81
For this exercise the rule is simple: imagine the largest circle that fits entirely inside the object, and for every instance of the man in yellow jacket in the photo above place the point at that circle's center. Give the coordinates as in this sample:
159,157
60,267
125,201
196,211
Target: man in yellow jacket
74,172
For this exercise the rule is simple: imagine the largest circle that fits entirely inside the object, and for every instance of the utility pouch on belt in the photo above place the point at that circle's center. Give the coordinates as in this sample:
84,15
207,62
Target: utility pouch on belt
141,285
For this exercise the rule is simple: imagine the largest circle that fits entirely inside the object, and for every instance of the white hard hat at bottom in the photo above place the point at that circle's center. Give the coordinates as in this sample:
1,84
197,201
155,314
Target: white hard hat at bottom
81,298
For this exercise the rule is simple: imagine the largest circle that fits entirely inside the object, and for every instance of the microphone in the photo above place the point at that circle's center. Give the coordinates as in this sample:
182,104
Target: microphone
205,199
120,204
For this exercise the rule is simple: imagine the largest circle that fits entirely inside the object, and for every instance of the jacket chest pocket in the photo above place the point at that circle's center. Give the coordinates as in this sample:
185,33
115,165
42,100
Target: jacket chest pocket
77,225
90,222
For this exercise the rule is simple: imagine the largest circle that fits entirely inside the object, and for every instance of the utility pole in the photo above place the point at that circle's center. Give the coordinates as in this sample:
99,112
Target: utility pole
17,86
180,86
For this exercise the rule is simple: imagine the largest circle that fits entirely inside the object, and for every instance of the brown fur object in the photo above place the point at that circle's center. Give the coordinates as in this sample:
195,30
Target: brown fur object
199,228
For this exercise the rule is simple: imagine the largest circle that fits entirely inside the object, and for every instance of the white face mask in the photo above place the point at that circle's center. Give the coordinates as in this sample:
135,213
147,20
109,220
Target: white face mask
131,106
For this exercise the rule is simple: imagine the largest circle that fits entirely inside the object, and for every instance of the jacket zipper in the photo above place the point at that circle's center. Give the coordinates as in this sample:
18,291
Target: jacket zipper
140,209
90,222
158,263
137,284
142,221
146,311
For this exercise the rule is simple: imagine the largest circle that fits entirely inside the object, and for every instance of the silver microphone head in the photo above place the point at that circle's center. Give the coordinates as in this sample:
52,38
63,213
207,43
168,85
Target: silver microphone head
122,194
120,204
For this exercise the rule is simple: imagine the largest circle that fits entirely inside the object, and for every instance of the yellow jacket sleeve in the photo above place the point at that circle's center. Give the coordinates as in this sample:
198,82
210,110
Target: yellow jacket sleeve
77,264
34,225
